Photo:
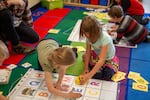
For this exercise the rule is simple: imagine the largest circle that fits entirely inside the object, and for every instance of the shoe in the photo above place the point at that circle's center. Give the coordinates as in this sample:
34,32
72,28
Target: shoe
75,51
147,39
22,49
146,21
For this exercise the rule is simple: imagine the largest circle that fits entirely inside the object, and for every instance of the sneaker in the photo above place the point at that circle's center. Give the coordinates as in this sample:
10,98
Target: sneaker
22,49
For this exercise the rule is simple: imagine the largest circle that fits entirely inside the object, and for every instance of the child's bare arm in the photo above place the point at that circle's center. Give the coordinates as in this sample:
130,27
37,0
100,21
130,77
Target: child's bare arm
114,28
53,90
99,64
3,97
62,72
101,61
87,58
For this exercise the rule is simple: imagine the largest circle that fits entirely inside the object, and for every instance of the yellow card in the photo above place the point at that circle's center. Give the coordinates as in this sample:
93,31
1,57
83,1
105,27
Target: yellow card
55,31
68,46
1,92
80,48
118,76
141,87
122,73
133,75
86,13
140,80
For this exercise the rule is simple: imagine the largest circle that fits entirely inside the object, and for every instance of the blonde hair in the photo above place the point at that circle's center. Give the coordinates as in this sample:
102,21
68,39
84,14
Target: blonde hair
63,56
91,26
3,50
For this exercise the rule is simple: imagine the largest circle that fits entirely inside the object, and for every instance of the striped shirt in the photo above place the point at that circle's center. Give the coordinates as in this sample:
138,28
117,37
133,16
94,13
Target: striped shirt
132,30
19,13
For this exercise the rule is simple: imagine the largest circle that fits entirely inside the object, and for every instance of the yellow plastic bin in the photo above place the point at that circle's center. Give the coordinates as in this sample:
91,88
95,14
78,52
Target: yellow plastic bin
52,4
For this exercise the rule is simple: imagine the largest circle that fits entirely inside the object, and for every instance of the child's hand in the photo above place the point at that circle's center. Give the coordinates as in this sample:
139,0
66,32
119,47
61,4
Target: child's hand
74,95
3,97
114,27
84,78
109,32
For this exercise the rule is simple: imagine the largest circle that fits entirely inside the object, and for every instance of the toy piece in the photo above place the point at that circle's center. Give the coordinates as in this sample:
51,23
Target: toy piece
77,80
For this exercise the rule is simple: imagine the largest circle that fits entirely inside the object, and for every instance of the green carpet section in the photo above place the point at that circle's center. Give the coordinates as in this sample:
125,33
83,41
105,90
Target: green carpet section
32,59
66,27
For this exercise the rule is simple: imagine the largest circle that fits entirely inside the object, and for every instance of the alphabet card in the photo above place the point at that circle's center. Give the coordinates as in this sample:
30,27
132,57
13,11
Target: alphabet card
32,87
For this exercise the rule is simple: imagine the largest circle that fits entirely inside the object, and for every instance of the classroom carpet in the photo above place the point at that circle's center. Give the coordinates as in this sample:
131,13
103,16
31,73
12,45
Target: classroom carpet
136,60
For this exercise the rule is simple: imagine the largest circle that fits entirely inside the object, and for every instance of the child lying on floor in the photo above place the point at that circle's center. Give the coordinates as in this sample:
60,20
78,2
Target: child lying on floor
52,57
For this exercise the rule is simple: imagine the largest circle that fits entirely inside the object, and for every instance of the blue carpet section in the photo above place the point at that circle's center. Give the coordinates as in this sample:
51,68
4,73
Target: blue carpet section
148,25
137,95
139,62
142,52
38,13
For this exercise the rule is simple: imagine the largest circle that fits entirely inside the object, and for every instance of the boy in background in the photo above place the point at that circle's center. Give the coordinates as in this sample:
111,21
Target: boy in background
133,8
126,26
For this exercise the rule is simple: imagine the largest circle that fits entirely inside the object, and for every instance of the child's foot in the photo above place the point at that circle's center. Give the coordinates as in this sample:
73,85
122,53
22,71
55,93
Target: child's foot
146,20
22,49
147,38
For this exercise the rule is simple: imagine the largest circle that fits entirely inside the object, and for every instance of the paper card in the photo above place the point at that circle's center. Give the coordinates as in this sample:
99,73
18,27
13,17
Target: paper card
86,13
93,93
55,31
133,75
141,87
80,48
140,80
1,92
11,66
118,76
26,65
4,76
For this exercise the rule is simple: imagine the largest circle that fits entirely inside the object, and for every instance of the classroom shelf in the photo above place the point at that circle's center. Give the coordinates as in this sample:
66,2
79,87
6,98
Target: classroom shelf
79,4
